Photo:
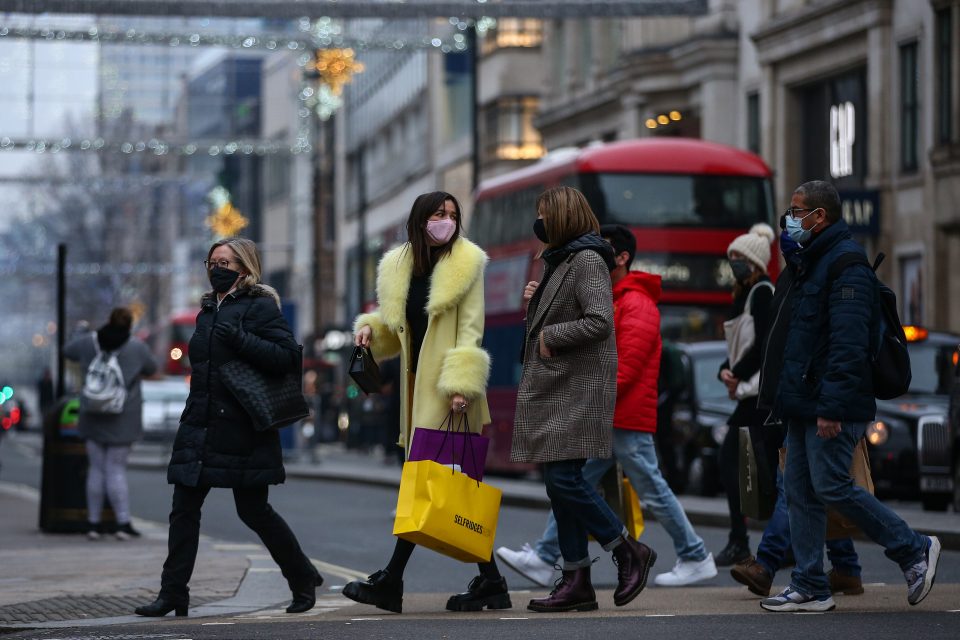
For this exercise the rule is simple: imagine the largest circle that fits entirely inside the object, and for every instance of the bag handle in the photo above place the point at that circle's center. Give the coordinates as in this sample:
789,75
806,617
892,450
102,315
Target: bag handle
450,428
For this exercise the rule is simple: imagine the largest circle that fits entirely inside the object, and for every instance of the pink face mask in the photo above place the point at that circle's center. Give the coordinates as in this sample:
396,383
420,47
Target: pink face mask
440,231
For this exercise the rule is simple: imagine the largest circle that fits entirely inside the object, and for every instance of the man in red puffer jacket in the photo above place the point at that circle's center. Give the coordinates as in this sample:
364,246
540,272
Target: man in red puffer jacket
637,326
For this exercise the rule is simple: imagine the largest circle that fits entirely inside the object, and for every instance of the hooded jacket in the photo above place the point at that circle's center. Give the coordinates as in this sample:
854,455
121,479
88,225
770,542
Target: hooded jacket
216,444
637,323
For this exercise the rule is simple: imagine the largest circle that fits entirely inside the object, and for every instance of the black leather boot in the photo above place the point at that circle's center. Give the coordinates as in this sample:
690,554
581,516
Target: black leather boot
161,607
481,592
306,596
574,592
380,589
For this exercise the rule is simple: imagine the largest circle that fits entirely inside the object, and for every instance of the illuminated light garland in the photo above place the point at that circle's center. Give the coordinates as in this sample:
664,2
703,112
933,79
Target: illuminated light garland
319,38
153,146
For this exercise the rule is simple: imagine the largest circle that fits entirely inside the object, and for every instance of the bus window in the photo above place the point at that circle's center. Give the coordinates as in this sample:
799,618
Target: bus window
649,200
503,343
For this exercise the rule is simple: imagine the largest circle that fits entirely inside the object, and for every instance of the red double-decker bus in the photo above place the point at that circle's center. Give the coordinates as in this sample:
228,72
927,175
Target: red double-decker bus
685,201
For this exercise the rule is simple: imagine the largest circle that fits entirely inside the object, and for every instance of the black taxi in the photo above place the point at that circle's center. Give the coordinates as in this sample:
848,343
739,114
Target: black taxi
910,450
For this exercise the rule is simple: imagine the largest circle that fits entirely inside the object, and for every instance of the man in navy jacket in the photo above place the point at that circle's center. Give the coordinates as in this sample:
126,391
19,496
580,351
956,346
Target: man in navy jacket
825,396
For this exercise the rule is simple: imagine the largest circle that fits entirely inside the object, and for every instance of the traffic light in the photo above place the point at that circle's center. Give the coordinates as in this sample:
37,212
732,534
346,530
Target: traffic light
6,393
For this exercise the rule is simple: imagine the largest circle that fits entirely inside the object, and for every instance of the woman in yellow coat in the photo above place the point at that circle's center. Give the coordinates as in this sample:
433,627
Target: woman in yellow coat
430,295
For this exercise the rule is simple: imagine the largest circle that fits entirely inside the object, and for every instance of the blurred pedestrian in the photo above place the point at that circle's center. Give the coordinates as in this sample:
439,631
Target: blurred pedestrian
567,395
109,433
774,550
637,329
431,312
217,444
752,292
825,395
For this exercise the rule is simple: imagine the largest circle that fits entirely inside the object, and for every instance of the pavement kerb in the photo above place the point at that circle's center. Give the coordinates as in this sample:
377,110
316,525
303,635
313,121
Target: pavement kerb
708,512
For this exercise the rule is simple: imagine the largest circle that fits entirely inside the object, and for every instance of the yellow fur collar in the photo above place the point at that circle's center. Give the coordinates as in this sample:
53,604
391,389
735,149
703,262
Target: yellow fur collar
451,279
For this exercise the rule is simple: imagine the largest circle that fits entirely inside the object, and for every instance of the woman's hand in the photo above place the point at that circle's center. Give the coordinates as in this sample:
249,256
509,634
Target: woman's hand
731,381
363,336
528,292
544,349
458,404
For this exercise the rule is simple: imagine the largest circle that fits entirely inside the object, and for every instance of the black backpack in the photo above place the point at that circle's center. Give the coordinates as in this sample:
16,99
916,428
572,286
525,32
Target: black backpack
890,361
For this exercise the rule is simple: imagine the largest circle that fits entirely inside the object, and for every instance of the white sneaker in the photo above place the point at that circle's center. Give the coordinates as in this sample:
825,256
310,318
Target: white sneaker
527,563
687,572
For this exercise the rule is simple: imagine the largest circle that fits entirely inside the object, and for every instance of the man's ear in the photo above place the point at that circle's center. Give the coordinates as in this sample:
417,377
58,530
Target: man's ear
623,259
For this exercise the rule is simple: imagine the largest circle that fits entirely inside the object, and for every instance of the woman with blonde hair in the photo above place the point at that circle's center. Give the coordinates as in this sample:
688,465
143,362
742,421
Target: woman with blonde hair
217,444
566,398
430,294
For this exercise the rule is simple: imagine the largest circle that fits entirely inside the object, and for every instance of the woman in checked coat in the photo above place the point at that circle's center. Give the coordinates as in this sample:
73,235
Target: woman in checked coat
567,393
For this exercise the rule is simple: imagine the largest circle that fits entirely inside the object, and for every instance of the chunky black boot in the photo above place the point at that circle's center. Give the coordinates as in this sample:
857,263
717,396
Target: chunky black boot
380,589
161,607
481,592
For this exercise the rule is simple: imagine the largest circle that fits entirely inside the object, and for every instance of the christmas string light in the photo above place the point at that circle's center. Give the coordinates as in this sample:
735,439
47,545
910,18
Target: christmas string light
318,39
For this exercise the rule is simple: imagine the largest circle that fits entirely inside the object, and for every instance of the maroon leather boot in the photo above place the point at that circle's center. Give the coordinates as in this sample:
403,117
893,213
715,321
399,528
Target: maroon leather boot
633,560
574,592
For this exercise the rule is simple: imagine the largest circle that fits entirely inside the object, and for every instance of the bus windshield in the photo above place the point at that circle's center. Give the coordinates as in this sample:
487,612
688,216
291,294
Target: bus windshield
702,201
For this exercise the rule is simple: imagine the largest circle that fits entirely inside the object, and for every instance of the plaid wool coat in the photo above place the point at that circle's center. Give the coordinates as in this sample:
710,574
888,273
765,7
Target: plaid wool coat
565,403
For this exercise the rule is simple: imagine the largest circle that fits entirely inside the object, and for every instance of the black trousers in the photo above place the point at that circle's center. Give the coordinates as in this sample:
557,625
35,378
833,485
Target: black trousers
254,511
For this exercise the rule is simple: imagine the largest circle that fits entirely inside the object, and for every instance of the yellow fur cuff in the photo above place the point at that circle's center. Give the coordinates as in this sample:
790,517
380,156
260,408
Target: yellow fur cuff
465,371
384,343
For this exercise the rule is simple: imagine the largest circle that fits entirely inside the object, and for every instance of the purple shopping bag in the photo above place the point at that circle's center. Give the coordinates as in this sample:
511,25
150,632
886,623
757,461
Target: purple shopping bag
451,445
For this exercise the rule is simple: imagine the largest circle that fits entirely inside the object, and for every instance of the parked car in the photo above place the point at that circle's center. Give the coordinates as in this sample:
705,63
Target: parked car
700,416
910,448
163,403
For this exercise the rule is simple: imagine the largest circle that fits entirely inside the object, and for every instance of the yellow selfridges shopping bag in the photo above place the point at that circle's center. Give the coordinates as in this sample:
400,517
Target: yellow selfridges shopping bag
632,513
447,511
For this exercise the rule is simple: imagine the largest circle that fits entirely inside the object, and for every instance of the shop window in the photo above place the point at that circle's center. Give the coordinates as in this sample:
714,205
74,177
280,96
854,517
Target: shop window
513,33
909,107
944,27
753,122
510,133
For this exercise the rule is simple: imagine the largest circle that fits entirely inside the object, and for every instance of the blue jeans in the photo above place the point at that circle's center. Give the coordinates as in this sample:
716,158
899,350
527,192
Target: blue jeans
818,475
579,511
637,454
776,540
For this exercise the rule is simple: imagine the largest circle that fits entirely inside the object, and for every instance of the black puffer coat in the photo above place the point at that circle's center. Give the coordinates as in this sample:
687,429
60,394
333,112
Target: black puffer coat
216,445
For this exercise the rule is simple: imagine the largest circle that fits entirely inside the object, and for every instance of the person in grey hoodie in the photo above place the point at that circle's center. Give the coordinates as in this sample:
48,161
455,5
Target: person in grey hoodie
109,436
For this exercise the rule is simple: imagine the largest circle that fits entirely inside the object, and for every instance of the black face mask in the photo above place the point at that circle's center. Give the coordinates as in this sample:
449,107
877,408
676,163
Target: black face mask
741,270
222,279
540,230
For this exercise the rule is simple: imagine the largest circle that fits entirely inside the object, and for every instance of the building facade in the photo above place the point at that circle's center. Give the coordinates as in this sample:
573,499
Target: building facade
864,94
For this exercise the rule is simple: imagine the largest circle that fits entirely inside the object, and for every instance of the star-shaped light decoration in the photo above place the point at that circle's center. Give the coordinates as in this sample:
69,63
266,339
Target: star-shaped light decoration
336,68
226,220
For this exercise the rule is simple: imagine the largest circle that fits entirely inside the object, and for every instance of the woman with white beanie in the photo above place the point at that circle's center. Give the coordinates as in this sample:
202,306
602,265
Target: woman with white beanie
749,256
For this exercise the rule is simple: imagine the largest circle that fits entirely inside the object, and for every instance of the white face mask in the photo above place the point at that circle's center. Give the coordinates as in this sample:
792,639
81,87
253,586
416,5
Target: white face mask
440,231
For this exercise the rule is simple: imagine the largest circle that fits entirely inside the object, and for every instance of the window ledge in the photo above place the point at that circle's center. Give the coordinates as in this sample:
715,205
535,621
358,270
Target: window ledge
945,160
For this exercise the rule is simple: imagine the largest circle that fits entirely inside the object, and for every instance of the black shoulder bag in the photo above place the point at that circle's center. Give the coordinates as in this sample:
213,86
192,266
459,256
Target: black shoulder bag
272,401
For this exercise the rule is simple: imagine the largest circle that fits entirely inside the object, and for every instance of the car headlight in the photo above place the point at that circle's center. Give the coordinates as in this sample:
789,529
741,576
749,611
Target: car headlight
877,433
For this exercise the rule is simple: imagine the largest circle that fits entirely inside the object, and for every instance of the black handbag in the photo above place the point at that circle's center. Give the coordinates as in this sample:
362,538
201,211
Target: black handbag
364,370
271,400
